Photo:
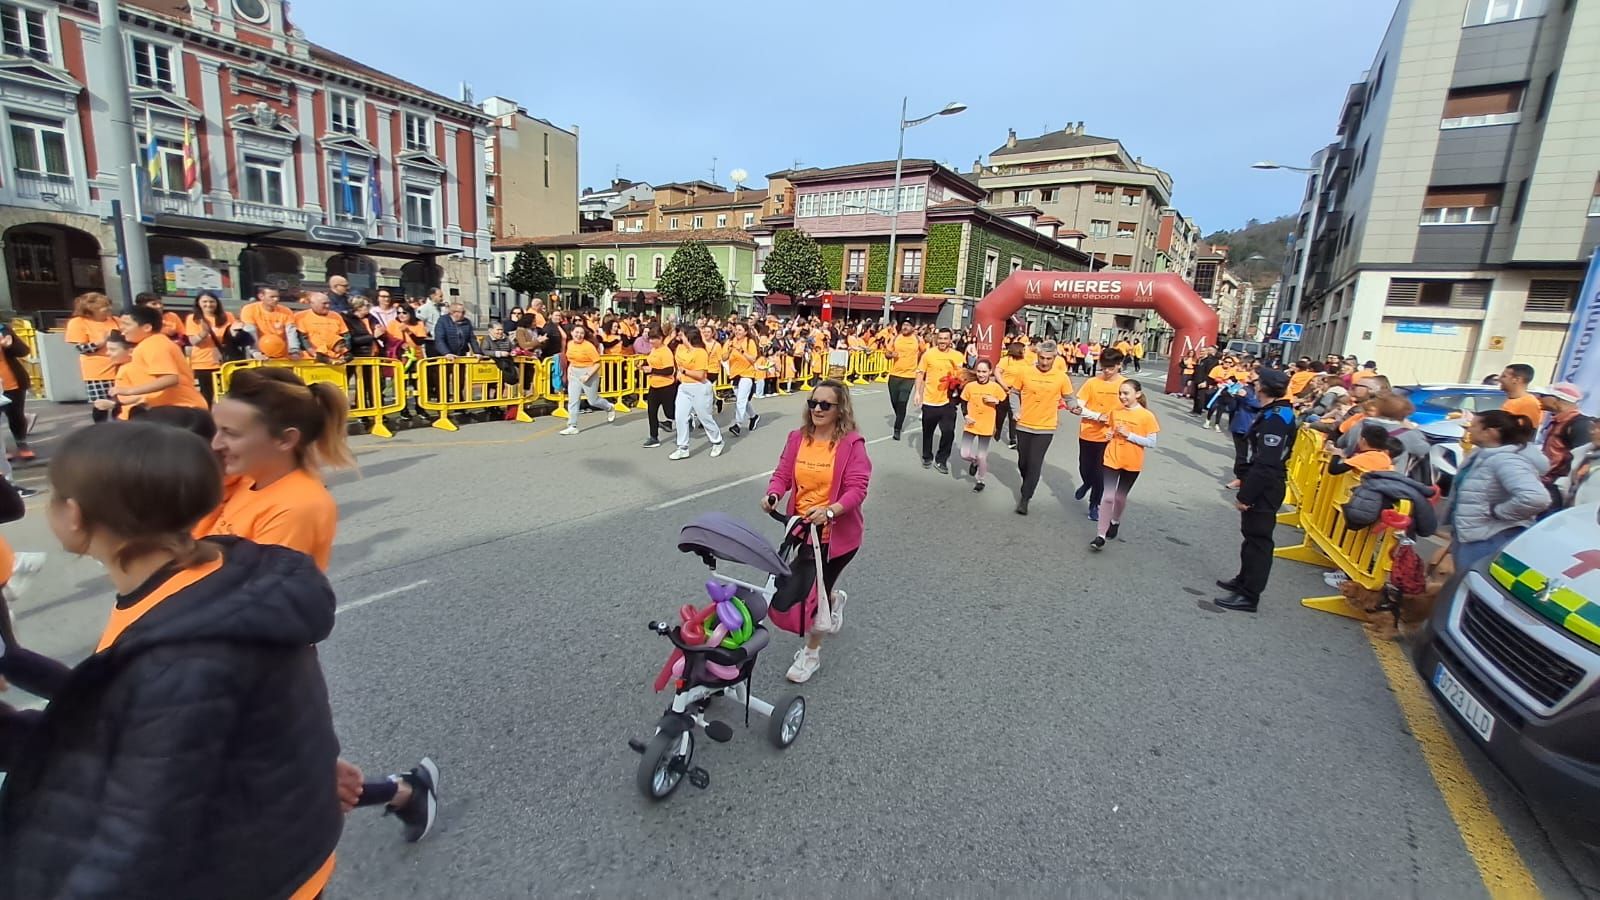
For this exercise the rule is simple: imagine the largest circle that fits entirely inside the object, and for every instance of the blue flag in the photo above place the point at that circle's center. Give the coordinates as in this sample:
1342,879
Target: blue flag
349,191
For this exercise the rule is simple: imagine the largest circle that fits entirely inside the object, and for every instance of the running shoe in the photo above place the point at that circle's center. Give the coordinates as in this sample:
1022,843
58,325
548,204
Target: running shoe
418,815
977,488
28,493
716,449
753,421
1098,544
734,429
972,468
1335,579
651,443
1081,492
806,661
1111,533
24,454
941,468
897,434
927,463
1094,513
680,453
570,429
837,599
611,415
1022,506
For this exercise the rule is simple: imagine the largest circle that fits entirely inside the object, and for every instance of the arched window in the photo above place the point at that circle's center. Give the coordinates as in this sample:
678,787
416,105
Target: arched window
631,267
611,263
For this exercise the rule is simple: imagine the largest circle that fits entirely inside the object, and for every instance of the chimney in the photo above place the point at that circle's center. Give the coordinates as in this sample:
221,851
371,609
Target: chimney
1011,137
977,166
1079,128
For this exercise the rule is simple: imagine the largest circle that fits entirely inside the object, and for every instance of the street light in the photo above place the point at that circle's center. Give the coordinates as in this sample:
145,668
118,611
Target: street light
1269,165
950,109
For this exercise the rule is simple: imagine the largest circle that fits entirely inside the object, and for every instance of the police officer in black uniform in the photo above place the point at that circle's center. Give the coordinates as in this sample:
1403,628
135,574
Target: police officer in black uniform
1260,495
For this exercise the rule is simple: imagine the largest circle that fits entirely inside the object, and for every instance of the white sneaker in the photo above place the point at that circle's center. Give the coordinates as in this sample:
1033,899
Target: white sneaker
1334,579
838,599
612,415
679,453
25,566
805,665
716,450
570,429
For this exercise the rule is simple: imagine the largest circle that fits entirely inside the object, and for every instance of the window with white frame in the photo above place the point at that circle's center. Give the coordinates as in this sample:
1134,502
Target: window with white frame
1461,205
1099,228
263,181
348,193
589,261
419,132
169,158
620,225
672,223
25,32
1021,197
1132,198
722,220
39,146
697,222
855,202
991,269
1488,12
658,265
630,268
344,113
153,65
1048,195
611,263
422,207
1126,229
806,206
1016,264
910,271
881,200
855,268
566,267
749,219
913,198
1478,106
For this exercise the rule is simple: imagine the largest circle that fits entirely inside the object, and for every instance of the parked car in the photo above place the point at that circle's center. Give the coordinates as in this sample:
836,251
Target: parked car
1512,651
1437,402
1245,348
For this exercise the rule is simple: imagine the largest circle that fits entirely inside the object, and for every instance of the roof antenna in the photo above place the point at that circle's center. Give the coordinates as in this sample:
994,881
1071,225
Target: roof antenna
713,178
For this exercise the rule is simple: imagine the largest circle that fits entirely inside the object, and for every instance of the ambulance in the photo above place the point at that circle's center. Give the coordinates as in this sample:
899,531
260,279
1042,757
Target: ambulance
1512,652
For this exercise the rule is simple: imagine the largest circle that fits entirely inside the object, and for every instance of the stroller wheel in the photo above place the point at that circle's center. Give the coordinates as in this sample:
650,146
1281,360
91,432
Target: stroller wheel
664,763
787,719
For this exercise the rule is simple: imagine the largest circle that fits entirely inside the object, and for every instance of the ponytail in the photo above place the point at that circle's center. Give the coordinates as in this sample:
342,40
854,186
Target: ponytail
331,449
1513,429
319,412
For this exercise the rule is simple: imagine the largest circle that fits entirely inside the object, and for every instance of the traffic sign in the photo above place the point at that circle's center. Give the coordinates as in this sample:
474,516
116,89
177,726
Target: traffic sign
336,234
1290,332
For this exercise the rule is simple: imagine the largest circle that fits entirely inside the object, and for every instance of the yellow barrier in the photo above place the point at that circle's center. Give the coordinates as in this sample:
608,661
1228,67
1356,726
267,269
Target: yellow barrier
1362,554
360,380
868,366
619,377
1307,465
471,383
23,328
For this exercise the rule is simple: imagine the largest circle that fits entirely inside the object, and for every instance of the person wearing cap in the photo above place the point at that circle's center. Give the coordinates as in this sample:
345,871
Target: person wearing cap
1568,430
1261,491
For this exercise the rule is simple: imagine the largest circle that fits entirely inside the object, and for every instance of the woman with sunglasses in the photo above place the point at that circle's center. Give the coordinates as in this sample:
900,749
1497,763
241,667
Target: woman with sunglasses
824,470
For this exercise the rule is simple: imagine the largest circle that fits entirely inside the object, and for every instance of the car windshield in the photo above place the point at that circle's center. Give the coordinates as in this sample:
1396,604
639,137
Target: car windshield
1451,402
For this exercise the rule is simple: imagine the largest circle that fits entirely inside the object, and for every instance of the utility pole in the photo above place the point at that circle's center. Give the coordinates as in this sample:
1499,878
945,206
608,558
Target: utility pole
119,155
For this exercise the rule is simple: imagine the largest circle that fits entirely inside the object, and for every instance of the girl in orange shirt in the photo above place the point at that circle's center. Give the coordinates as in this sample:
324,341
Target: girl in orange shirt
583,378
982,398
274,434
86,331
1133,430
210,330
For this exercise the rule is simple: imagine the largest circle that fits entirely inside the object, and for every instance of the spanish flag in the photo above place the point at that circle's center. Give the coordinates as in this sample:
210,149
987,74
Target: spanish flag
191,161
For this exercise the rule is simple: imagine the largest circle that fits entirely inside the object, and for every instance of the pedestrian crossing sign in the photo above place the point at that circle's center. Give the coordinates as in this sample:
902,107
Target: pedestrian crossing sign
1290,332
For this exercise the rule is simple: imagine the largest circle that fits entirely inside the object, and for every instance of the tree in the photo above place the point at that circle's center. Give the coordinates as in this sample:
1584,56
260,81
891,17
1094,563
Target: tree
598,280
692,282
531,273
795,266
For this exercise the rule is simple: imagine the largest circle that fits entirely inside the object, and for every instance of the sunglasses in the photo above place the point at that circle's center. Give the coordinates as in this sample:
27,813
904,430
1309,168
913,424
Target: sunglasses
823,405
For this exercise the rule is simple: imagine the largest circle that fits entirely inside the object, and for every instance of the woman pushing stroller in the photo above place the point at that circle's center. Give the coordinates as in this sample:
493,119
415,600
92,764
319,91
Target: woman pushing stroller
825,471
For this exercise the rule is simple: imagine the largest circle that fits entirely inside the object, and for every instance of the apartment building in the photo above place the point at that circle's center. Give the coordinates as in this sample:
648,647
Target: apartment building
692,206
1177,239
532,169
597,205
270,159
1456,210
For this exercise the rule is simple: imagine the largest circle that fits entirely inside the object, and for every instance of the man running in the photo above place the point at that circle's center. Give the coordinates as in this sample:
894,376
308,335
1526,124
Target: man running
1040,389
904,352
932,393
1099,398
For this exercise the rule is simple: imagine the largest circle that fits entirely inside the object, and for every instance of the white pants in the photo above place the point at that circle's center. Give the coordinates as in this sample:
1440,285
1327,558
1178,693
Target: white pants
742,389
695,398
580,384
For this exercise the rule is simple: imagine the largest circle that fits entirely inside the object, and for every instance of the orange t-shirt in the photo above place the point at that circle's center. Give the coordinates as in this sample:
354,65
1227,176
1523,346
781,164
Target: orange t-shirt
1353,421
813,475
1041,396
906,349
82,330
8,377
412,334
272,328
154,357
934,367
1099,395
1371,461
582,354
1526,405
296,511
1008,369
1298,382
323,332
982,414
660,358
688,357
123,617
741,359
1121,453
204,338
171,324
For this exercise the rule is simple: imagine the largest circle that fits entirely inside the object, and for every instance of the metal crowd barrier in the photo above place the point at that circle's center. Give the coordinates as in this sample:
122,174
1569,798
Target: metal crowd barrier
464,384
1307,465
362,380
1362,554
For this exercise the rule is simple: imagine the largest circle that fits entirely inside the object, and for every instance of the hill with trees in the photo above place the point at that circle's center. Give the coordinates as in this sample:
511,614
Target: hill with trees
1266,239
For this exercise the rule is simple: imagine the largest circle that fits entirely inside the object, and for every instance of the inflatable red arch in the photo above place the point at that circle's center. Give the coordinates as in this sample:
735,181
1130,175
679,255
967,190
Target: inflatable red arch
1193,322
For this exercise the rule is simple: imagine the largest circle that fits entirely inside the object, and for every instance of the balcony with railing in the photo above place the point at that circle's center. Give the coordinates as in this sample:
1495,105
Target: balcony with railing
55,190
270,214
421,234
176,203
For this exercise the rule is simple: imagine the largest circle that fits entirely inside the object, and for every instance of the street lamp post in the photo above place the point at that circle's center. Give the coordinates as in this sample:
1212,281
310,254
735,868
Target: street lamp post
950,109
1294,302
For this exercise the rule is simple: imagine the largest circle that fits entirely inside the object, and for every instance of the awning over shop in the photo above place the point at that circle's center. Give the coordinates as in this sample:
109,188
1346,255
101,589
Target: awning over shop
650,297
915,305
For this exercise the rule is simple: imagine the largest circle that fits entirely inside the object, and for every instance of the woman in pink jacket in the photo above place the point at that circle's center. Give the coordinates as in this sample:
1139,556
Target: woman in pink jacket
825,470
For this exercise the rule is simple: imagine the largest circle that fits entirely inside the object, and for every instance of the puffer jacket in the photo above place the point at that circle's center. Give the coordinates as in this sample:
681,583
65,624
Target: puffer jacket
1379,491
1414,444
194,758
1498,488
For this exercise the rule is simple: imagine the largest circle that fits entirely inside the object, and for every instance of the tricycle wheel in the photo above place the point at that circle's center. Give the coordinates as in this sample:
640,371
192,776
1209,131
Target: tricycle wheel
663,764
787,719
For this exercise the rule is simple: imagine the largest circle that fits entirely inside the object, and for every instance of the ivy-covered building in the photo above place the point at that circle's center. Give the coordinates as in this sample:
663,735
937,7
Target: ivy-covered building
950,250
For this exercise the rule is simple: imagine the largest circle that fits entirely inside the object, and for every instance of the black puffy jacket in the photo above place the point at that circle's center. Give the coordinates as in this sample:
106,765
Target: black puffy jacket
194,758
1379,491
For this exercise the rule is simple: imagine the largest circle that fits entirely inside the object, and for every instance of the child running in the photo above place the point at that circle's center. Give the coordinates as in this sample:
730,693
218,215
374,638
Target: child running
982,398
1133,430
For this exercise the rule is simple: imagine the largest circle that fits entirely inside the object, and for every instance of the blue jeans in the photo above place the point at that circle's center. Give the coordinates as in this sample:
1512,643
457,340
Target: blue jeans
1468,554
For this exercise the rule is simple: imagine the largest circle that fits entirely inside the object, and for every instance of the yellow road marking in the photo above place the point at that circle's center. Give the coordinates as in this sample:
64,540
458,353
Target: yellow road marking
1505,875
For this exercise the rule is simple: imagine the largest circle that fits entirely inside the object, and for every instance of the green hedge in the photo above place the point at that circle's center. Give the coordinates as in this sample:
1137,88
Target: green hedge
833,260
984,240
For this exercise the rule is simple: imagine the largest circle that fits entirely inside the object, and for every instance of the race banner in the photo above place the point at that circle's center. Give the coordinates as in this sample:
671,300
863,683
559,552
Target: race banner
1580,354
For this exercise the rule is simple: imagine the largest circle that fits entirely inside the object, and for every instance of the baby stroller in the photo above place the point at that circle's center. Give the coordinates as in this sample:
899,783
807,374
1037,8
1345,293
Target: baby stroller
716,649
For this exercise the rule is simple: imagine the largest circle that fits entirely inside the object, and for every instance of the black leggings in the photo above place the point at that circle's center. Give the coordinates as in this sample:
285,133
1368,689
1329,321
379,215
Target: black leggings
1091,458
832,568
659,399
18,421
1117,484
208,384
1031,448
899,396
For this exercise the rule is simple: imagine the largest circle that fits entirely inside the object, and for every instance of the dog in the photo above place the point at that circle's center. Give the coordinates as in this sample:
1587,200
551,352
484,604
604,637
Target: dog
1388,614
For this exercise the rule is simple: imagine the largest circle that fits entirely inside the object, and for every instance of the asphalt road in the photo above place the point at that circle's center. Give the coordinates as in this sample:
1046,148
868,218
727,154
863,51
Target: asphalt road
1003,713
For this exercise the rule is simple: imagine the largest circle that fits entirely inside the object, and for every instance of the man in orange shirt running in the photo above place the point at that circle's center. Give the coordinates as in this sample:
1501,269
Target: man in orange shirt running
158,374
1099,398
